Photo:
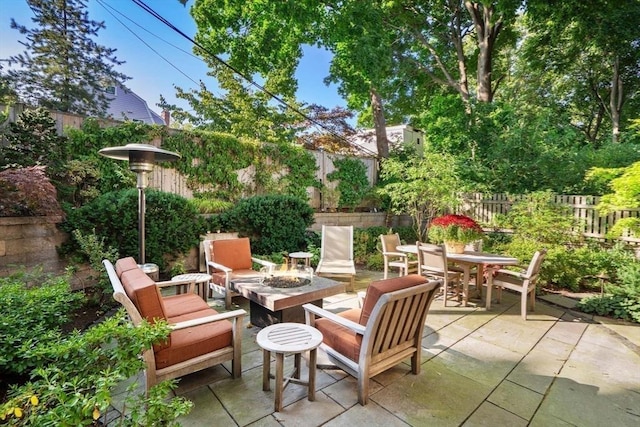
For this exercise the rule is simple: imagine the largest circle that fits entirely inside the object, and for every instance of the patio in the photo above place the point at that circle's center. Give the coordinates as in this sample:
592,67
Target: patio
478,368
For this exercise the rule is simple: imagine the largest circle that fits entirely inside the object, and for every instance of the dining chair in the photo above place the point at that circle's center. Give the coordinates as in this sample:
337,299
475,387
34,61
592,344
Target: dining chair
523,281
394,258
383,333
432,262
336,253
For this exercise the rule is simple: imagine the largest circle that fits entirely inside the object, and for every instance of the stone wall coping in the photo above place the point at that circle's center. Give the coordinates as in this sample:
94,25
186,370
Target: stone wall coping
29,220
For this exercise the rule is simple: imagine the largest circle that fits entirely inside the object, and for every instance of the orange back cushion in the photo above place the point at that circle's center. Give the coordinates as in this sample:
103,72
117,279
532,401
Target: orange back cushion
232,253
125,264
378,288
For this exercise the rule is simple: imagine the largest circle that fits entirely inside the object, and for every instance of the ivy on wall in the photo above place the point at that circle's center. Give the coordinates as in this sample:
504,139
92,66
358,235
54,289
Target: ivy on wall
212,159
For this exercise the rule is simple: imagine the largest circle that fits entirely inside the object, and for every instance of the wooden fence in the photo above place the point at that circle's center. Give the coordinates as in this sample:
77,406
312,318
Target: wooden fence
484,208
170,180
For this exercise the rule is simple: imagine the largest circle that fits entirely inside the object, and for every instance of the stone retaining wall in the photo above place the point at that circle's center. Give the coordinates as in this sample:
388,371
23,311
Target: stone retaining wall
30,241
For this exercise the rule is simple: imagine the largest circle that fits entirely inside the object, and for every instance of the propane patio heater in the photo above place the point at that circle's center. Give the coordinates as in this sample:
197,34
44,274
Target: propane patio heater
142,158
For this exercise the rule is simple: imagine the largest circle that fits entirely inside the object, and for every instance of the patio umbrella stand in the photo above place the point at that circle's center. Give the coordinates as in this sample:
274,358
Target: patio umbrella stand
142,158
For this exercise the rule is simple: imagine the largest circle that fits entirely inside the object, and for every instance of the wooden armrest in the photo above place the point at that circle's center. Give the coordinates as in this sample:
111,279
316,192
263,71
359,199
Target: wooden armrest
168,283
263,262
398,254
219,267
513,273
235,314
356,327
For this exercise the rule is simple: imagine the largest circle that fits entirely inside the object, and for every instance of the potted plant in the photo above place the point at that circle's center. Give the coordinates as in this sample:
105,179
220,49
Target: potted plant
455,231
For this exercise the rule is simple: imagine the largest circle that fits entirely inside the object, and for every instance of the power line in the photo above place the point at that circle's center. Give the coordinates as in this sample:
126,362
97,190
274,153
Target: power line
144,42
277,98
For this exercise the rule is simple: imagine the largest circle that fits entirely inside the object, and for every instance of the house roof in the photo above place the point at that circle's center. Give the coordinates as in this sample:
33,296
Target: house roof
399,134
126,105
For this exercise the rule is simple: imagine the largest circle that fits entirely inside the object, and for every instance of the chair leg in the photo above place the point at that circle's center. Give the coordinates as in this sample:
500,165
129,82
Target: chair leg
532,299
227,300
523,305
446,291
363,389
386,269
415,362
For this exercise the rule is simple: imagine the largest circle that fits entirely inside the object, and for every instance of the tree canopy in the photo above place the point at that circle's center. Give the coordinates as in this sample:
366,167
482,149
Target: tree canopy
63,68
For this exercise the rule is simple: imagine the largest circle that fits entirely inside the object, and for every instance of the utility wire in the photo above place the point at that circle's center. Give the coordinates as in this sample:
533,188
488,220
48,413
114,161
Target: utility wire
144,42
277,98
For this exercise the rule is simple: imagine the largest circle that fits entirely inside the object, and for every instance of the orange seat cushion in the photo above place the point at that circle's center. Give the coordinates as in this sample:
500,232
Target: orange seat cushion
232,253
177,305
185,344
341,339
376,289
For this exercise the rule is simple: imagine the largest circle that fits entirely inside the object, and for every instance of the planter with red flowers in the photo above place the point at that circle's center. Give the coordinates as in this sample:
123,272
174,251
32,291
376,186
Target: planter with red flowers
455,231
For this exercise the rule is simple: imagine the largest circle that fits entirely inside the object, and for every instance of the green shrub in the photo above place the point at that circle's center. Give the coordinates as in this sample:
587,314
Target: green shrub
31,316
366,243
75,382
353,184
621,300
375,262
173,225
274,223
96,251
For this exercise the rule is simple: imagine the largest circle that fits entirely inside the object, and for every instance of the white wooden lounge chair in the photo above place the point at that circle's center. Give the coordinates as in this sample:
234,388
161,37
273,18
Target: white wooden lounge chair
336,253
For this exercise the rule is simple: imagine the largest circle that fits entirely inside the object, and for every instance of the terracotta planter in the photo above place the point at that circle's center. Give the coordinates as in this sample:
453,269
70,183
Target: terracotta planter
454,247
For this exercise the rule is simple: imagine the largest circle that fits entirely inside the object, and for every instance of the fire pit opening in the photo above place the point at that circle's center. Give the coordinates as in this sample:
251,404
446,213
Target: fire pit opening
284,276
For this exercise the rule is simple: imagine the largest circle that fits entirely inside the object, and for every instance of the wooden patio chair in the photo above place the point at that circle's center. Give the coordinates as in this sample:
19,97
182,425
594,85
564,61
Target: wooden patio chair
229,260
336,253
523,282
387,330
200,336
432,262
394,258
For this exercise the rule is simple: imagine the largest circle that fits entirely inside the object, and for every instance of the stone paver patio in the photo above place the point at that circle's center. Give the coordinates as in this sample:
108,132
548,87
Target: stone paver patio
478,368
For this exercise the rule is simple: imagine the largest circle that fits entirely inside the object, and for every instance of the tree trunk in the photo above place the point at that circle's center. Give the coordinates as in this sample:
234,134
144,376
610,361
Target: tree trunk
379,124
486,34
616,100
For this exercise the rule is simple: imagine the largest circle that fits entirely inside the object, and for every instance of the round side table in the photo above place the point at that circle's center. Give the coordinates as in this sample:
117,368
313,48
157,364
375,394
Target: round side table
282,338
201,280
305,256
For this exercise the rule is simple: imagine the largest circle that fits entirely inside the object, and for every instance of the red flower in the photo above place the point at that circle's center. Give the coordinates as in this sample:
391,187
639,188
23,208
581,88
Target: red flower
461,221
455,228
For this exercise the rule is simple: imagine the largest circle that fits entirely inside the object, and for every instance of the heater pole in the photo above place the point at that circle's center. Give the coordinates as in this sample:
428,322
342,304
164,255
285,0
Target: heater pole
141,230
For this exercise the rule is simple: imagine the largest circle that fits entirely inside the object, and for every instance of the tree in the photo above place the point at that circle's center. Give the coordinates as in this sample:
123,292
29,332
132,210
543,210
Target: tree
384,53
63,68
590,52
241,111
421,187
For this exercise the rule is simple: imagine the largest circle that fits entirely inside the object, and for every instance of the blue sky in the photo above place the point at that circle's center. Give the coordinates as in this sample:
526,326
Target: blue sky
151,75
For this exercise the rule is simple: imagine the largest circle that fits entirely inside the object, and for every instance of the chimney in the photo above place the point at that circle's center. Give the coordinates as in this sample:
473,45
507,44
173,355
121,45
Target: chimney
166,116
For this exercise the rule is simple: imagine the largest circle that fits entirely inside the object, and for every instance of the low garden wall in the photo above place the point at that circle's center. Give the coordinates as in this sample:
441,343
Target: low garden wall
32,241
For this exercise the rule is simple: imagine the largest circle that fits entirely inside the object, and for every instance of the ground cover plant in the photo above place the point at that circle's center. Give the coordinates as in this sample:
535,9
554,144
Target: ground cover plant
70,378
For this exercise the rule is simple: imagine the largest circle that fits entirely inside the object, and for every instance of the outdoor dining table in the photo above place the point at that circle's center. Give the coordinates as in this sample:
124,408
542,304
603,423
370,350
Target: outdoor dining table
467,260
